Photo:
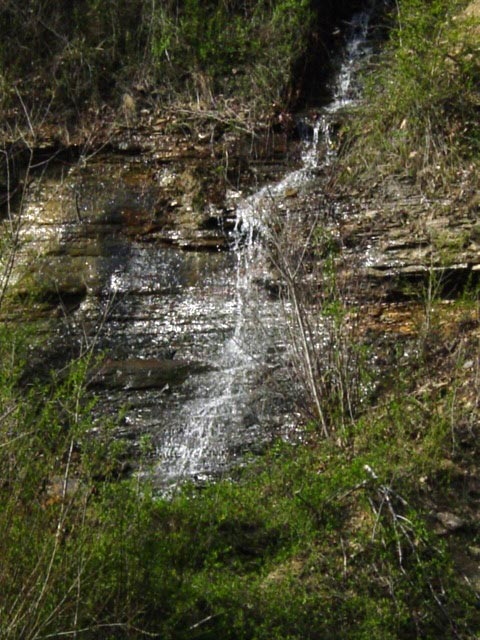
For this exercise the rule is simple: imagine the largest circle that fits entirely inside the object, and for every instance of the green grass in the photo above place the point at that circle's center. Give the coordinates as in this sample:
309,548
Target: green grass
419,117
311,541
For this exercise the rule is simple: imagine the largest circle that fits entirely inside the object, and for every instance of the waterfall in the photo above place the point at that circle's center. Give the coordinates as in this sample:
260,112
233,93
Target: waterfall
229,405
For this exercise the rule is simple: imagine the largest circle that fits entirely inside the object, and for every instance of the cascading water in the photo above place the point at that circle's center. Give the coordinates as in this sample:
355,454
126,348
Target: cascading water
345,90
357,48
229,407
196,343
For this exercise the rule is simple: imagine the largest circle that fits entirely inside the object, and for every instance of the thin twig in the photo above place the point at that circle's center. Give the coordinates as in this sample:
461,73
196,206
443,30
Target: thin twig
97,627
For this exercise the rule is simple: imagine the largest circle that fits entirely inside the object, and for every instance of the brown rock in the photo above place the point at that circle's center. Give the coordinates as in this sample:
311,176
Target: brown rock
450,521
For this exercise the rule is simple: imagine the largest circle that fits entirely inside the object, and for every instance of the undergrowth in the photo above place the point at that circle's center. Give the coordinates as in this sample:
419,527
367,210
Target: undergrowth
419,115
316,540
66,61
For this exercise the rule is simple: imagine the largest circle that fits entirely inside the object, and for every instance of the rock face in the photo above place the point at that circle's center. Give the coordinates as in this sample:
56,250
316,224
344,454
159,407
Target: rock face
78,221
399,239
137,373
154,187
136,258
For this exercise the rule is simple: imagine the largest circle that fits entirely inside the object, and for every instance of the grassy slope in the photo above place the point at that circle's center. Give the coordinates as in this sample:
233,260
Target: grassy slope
67,64
420,117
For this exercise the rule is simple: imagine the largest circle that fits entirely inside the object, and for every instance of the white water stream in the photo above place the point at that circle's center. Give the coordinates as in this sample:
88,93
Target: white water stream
228,407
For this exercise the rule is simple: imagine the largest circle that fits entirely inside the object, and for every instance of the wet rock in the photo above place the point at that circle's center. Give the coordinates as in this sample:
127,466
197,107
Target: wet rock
137,373
69,291
203,243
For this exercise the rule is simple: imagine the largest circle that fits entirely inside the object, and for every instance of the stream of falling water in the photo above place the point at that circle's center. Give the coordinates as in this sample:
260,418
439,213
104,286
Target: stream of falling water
230,405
